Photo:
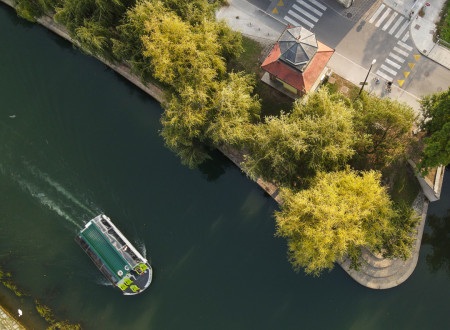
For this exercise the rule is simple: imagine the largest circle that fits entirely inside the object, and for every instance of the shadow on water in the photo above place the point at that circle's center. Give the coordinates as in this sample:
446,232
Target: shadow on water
16,20
214,168
439,239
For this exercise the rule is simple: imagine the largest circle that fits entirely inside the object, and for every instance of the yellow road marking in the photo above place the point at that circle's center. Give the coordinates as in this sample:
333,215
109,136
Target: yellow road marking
411,65
280,3
275,10
406,74
417,57
400,82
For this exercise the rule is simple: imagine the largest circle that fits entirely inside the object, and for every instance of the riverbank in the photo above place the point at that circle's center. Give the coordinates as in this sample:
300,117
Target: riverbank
153,91
7,322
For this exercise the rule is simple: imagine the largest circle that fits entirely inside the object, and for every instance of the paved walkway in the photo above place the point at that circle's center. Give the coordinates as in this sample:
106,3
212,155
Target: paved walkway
423,28
7,322
379,273
376,272
387,273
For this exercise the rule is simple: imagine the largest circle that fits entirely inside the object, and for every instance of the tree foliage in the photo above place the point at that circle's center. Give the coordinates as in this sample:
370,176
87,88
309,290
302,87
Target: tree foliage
220,113
29,9
316,136
384,131
179,53
399,238
235,109
340,213
436,123
93,22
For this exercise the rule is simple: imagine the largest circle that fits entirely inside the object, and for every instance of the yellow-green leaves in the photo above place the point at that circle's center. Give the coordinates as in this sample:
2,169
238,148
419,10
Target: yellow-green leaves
384,128
339,212
317,135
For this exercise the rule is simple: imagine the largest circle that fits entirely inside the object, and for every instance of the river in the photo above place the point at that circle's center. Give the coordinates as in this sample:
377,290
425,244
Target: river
76,139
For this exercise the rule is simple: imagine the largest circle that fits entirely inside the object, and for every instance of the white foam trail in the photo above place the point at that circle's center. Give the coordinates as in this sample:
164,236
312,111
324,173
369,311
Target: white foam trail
102,281
141,248
43,199
58,187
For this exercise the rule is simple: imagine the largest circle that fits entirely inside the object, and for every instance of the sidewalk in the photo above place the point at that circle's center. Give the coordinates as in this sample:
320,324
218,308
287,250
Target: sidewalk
252,22
422,29
7,322
355,73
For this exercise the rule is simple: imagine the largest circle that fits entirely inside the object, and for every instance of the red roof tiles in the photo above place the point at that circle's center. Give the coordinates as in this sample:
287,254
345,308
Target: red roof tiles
288,74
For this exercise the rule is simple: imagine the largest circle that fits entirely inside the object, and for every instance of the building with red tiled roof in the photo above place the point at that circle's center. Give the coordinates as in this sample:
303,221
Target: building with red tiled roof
297,60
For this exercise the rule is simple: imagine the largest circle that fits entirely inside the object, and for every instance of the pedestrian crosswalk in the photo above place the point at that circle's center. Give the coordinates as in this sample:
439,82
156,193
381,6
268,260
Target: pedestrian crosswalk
391,21
305,13
395,60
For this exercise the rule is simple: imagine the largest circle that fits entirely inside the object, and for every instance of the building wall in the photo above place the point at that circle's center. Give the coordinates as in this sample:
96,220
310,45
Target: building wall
288,87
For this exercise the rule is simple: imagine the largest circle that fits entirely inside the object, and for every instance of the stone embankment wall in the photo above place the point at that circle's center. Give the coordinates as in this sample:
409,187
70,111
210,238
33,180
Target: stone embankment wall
387,274
7,322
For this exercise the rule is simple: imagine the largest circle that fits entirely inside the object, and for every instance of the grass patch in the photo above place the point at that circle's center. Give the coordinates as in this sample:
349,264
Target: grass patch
405,186
443,28
272,101
336,84
249,60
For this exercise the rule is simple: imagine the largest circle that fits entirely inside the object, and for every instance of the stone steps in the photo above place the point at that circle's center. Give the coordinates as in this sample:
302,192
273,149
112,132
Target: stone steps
379,273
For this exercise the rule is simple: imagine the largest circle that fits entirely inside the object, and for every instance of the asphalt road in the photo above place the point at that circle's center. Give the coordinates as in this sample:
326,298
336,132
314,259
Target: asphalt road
363,33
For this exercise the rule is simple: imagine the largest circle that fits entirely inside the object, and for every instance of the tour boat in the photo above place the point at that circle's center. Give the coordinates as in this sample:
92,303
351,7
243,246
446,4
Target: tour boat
115,256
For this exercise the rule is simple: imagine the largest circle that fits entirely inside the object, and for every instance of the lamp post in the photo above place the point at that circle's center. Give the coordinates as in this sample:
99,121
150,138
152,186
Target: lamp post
365,80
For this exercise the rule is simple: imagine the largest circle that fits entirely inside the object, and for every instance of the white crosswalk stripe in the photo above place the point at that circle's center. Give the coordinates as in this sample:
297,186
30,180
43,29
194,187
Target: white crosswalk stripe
389,70
383,17
292,21
397,58
394,15
405,37
306,13
404,45
378,12
383,75
392,63
403,28
389,20
311,8
318,4
402,52
301,19
396,24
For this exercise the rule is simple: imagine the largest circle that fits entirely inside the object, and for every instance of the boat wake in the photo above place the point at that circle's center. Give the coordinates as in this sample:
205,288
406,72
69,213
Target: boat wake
50,193
141,247
59,188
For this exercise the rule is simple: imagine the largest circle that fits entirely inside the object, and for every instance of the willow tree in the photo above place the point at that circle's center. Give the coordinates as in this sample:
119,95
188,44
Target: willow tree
436,124
384,129
180,54
234,110
93,22
201,13
316,136
213,114
29,9
338,215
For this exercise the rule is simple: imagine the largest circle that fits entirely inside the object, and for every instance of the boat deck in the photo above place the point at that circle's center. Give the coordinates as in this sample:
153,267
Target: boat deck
115,256
104,249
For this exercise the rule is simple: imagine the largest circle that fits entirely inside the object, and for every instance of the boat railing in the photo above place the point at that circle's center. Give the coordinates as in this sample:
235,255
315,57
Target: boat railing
116,240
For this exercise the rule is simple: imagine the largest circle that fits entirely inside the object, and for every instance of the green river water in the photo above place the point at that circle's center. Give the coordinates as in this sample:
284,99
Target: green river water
85,141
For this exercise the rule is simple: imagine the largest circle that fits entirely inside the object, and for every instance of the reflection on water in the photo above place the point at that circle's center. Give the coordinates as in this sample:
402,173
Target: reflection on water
215,167
439,239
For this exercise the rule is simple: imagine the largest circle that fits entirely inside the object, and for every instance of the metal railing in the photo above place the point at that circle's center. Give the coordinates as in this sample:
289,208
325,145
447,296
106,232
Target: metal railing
442,42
